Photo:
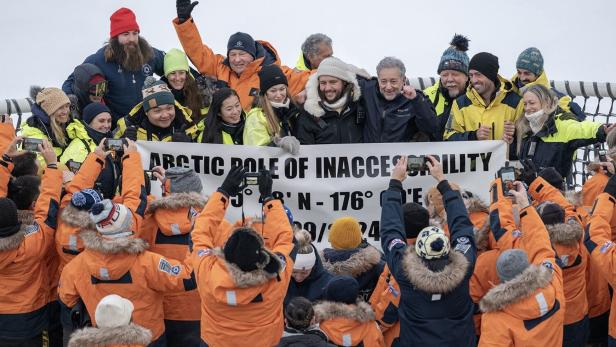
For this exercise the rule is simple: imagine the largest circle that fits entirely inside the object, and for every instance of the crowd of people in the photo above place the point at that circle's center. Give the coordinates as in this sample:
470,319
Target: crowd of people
89,257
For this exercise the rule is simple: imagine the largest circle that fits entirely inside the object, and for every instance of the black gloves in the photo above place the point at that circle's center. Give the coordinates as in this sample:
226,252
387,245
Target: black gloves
130,133
265,185
181,136
529,174
184,8
231,185
610,188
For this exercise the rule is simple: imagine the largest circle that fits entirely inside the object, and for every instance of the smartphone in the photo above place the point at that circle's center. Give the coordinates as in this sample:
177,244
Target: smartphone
31,144
150,175
507,176
114,145
416,163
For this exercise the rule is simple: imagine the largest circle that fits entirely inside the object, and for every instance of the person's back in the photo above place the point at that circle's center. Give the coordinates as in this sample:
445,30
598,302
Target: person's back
299,329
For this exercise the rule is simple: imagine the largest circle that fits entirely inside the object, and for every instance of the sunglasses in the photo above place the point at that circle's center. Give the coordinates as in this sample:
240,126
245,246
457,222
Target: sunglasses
99,89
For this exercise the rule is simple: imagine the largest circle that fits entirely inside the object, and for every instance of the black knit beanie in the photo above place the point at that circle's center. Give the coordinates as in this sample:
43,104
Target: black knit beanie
487,64
9,223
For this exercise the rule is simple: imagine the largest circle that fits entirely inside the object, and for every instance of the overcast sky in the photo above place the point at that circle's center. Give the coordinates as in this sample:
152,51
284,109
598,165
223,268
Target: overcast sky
42,41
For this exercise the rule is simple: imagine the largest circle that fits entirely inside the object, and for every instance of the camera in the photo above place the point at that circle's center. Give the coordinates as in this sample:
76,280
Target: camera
31,144
507,176
114,145
415,163
150,175
73,166
251,179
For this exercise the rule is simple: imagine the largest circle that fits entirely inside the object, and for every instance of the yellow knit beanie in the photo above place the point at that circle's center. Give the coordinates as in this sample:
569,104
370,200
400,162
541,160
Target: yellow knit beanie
345,233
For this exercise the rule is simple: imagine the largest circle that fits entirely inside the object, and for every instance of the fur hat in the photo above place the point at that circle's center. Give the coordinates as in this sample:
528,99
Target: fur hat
345,233
122,20
156,93
432,243
112,220
455,57
183,180
342,289
51,99
530,59
85,199
242,41
175,60
270,76
244,248
113,311
511,263
487,64
9,223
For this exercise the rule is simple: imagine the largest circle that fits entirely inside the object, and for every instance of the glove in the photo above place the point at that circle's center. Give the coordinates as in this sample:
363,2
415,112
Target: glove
610,188
180,135
184,8
289,143
231,185
265,185
130,133
529,174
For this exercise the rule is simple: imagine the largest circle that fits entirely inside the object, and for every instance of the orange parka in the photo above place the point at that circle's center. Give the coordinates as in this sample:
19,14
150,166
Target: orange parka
247,84
240,307
7,134
349,325
24,288
528,310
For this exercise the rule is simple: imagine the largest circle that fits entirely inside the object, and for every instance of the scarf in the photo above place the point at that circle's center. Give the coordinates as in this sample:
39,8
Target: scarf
336,105
536,120
281,104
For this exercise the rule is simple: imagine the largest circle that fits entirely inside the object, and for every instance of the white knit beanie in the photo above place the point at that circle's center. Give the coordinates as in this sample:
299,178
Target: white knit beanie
113,311
112,220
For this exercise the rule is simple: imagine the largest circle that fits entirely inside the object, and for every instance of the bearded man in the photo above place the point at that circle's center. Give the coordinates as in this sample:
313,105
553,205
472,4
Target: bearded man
126,60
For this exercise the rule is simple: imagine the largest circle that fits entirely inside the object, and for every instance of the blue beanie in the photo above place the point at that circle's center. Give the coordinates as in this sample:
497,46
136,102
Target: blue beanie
85,199
242,41
530,59
92,110
455,57
343,289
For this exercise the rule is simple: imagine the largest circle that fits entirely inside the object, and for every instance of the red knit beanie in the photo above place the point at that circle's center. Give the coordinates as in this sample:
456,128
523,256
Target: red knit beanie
123,20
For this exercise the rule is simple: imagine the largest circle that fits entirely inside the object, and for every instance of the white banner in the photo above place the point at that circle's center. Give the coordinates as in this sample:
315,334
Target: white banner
325,182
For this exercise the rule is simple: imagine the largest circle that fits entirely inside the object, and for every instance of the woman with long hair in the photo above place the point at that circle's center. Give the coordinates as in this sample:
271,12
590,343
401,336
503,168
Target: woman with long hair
550,137
270,121
224,122
182,83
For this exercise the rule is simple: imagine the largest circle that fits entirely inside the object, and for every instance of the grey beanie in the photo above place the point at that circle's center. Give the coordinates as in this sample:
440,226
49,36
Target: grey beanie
511,263
183,180
530,59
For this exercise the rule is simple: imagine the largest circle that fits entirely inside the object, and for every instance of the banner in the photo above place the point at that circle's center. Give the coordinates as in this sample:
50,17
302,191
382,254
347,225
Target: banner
325,182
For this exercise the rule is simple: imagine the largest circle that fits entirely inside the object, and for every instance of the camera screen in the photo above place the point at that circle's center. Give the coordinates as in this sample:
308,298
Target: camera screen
114,144
31,144
508,176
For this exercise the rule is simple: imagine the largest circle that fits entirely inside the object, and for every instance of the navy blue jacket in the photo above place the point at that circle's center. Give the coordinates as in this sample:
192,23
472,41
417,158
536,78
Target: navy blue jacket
124,88
398,120
313,287
435,307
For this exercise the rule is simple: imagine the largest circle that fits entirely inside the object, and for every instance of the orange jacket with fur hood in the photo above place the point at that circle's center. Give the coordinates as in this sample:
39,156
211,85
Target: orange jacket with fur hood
348,325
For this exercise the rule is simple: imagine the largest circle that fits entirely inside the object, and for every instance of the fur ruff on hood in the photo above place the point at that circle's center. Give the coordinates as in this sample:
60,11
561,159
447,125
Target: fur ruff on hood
475,204
246,279
26,218
74,217
131,334
566,234
435,282
482,237
361,311
312,104
575,198
176,201
520,287
94,241
357,264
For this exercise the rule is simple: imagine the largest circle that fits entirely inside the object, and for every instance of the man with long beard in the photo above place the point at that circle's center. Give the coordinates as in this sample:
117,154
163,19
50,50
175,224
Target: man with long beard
126,60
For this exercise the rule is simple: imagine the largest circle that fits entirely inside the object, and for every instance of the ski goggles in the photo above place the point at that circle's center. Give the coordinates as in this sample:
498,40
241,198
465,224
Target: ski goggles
98,89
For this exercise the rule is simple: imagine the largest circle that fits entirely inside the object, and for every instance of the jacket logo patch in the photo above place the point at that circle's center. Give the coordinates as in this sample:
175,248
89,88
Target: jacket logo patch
548,265
204,252
392,290
516,233
31,229
436,297
607,245
564,259
395,242
462,247
165,266
147,69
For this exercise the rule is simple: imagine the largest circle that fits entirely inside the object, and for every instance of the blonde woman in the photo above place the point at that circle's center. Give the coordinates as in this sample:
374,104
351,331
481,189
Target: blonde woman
270,121
550,137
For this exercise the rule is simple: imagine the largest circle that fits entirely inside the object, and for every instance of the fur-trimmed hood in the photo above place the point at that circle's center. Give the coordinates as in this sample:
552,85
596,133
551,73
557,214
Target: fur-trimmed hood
575,198
475,204
131,334
361,311
430,282
176,201
357,263
76,218
246,279
519,288
566,234
313,100
92,240
482,237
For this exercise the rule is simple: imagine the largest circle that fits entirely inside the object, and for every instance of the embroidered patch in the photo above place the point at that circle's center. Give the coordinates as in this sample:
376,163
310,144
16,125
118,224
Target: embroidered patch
393,290
283,262
462,247
165,266
204,252
31,229
516,233
564,259
607,245
192,212
395,242
548,265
